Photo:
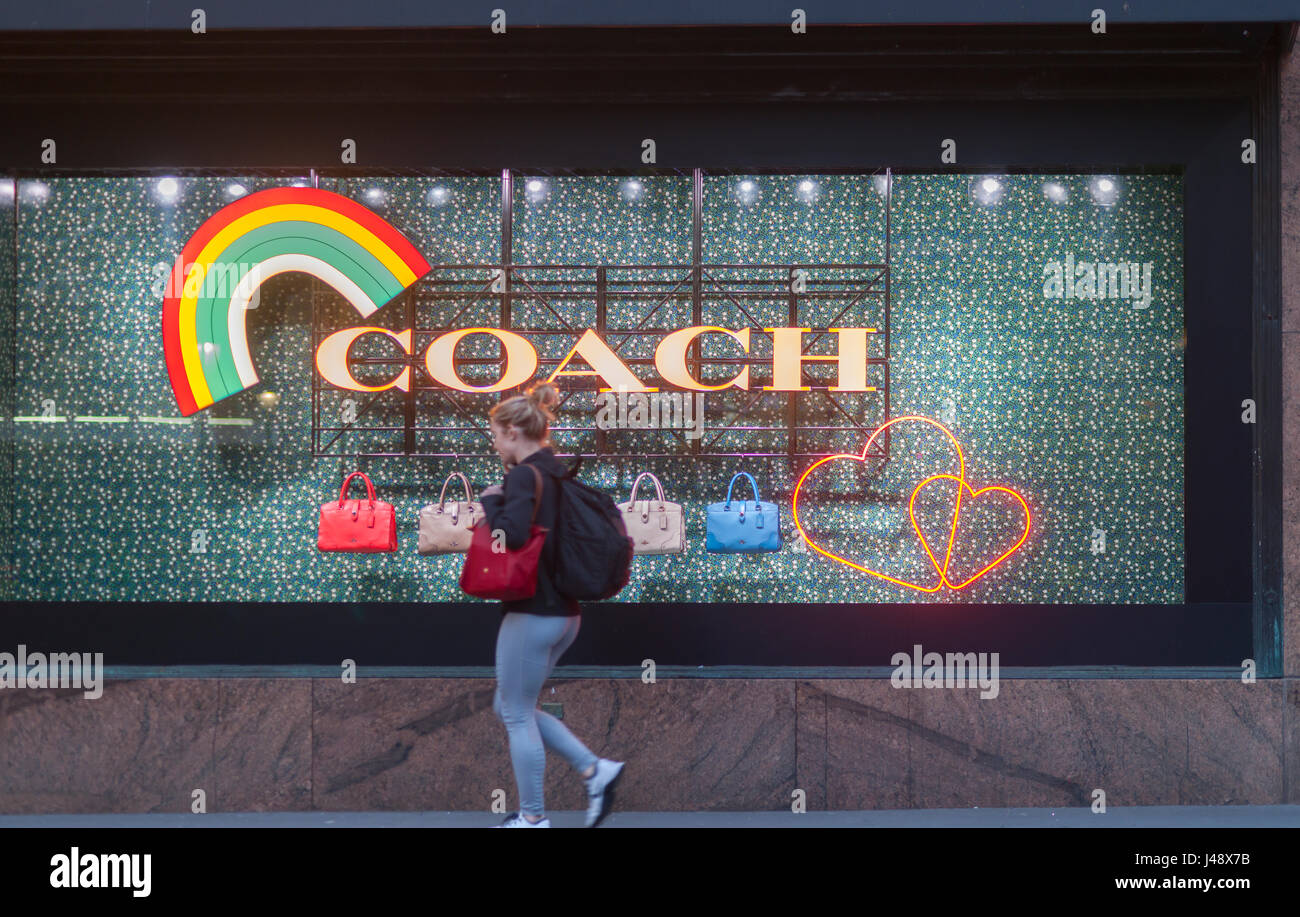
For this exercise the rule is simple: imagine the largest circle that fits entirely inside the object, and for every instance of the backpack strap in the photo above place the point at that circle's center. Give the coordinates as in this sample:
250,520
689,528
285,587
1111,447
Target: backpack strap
547,580
573,469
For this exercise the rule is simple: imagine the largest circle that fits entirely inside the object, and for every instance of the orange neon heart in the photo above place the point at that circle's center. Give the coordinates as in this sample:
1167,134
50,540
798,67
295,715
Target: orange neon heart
862,457
943,572
960,478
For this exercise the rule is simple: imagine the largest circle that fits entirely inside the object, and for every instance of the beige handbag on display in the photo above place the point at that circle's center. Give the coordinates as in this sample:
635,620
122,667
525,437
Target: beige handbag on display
655,526
445,527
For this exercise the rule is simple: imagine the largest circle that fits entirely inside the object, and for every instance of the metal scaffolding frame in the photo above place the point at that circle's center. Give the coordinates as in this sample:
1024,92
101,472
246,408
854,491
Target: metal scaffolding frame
453,290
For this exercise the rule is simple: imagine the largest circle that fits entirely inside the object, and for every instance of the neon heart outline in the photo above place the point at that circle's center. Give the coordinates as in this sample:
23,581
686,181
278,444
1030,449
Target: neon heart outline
952,533
974,493
862,457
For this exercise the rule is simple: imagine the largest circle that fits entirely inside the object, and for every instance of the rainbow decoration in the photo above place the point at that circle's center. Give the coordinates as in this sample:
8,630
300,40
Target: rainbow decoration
318,232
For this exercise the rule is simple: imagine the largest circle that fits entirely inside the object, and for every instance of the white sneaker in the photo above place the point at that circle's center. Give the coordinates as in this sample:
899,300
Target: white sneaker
517,820
600,790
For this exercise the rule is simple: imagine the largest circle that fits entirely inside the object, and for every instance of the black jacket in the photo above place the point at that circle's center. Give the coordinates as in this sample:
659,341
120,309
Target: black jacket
511,513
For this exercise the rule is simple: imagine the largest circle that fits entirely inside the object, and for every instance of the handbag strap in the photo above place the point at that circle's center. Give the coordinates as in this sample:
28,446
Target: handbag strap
469,491
752,483
659,488
370,488
537,493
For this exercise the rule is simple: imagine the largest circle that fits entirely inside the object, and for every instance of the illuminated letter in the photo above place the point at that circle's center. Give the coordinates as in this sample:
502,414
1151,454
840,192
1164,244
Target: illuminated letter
788,357
520,360
670,359
332,359
604,362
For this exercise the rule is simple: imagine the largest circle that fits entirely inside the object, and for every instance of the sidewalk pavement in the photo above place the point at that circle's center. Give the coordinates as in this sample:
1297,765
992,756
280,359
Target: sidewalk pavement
1079,817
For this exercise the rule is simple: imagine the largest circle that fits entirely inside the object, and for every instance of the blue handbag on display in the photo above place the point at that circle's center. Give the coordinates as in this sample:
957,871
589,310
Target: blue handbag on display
743,528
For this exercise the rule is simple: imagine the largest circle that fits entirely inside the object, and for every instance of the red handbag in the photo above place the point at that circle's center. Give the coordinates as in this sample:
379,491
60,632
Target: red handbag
364,526
506,575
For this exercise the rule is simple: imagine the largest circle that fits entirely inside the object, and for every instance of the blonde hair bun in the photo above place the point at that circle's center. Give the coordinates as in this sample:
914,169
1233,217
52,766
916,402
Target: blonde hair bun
546,396
531,412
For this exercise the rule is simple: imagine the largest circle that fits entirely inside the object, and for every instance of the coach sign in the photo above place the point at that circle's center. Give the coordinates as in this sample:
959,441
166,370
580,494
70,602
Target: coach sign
520,360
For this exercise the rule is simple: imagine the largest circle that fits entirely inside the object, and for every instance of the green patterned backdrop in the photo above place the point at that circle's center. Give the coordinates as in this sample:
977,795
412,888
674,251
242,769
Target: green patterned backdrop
1076,404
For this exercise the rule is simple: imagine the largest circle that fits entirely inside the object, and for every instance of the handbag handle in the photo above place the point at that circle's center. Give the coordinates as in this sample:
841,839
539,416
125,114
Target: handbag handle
659,489
752,483
370,488
442,497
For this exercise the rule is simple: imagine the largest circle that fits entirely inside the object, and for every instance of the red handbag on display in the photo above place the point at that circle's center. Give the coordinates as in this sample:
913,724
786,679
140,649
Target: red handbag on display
363,526
506,575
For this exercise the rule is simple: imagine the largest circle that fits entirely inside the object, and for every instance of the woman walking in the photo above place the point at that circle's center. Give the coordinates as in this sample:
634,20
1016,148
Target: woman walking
535,632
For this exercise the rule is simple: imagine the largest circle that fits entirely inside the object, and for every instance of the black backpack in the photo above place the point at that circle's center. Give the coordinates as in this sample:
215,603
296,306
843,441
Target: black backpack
593,552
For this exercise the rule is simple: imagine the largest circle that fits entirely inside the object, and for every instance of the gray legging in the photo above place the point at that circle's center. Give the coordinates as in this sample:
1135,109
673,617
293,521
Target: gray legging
528,646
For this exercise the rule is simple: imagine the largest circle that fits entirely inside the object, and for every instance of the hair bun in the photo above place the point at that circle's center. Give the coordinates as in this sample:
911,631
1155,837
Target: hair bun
544,395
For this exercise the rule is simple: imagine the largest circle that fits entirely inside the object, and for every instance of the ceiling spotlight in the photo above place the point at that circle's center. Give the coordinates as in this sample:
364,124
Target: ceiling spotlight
374,195
535,189
1104,190
1055,192
235,189
747,191
632,190
989,190
269,399
300,183
882,184
438,195
6,192
167,189
807,190
34,192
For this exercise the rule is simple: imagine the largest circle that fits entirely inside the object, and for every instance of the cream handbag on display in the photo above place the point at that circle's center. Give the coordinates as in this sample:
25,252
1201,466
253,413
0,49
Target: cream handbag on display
445,527
655,526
